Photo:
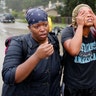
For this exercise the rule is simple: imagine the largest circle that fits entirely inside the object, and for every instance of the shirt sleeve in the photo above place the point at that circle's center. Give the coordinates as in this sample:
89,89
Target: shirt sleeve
67,33
12,59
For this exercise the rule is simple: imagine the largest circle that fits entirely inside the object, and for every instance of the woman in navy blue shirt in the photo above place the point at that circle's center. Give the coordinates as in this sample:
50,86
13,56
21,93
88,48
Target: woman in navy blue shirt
37,74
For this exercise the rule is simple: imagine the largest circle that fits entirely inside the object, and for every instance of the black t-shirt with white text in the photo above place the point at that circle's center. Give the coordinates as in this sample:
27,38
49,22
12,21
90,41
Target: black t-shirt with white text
80,71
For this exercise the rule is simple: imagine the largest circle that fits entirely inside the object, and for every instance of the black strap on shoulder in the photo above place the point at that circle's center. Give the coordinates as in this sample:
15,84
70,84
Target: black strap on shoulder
24,45
22,40
54,40
7,42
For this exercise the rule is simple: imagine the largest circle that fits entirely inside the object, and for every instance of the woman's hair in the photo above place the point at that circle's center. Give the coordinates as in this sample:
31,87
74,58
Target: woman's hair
75,13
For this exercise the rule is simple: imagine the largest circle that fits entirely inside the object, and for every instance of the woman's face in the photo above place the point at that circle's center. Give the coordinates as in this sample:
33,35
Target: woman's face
39,31
88,16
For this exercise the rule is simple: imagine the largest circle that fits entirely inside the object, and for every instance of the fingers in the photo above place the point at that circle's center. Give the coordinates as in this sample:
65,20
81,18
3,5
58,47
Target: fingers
80,18
48,48
91,12
81,13
44,50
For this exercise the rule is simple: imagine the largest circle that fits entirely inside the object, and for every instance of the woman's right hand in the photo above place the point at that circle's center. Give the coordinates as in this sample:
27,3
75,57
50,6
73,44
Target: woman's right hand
44,50
80,18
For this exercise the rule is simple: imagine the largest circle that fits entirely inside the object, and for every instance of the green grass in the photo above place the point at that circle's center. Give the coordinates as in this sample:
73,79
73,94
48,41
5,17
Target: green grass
59,25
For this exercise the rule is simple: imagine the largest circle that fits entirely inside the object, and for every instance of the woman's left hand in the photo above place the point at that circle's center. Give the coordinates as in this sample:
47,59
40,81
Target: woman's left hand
94,18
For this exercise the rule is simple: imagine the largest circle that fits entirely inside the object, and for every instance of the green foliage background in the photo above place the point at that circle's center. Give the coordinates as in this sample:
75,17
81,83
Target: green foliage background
18,5
71,4
65,11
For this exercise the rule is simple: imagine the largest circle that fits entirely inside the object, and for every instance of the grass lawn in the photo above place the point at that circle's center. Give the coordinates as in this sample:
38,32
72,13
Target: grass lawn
59,25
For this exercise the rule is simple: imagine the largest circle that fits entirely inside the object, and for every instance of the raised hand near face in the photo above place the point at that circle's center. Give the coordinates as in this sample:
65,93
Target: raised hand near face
80,18
94,18
44,50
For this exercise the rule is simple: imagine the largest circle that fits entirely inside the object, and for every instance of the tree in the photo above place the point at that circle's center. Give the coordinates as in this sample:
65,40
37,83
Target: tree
71,4
18,5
